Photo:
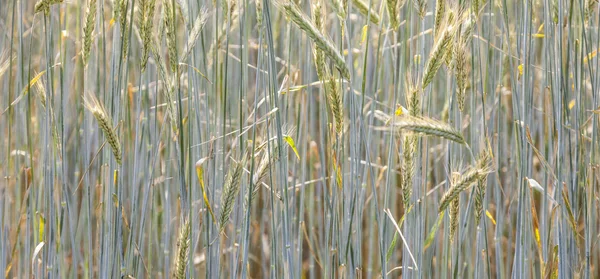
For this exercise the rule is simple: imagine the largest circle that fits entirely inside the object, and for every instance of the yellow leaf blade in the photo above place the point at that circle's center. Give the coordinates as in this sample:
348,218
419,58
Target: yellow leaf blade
291,143
200,174
489,215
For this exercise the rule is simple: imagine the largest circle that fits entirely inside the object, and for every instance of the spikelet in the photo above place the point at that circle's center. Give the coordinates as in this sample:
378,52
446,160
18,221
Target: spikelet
365,10
259,14
337,106
422,125
454,209
195,33
123,25
296,15
555,12
340,11
183,246
484,161
421,7
436,58
317,17
41,94
468,178
331,87
451,45
88,30
409,145
105,123
116,9
440,11
476,6
222,35
461,69
467,28
44,6
171,36
231,189
590,7
260,173
145,23
393,13
184,12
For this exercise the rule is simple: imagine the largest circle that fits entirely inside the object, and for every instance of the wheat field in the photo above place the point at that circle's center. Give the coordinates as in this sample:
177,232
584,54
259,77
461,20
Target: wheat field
299,139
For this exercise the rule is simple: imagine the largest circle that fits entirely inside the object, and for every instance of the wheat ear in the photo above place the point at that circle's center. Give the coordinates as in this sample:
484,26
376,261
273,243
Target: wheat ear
88,29
296,15
366,11
183,246
231,189
426,126
471,176
105,123
454,209
436,58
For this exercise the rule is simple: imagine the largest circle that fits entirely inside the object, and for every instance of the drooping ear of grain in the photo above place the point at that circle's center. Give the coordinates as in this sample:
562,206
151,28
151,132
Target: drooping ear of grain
468,178
105,123
88,30
436,58
422,125
295,14
194,34
366,11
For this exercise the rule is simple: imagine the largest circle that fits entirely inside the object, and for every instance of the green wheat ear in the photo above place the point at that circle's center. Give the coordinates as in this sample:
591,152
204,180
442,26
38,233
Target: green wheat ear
105,123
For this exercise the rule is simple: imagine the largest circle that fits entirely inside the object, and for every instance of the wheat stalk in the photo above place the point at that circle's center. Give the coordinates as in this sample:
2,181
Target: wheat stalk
105,123
296,15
